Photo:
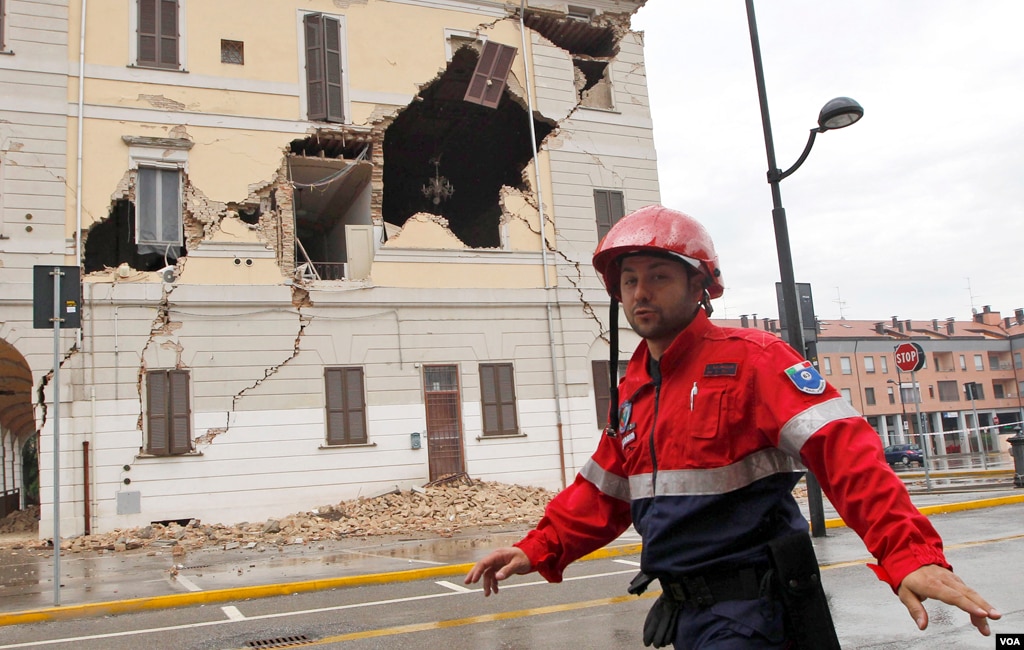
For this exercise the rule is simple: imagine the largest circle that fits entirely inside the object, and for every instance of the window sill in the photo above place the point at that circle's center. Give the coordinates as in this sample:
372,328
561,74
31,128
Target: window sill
355,445
143,455
136,66
502,436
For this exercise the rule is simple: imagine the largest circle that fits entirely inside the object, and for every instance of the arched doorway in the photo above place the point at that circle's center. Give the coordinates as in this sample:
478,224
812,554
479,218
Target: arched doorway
17,424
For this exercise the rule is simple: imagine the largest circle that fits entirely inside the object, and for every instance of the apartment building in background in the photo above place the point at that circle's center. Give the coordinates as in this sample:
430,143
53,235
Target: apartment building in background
329,248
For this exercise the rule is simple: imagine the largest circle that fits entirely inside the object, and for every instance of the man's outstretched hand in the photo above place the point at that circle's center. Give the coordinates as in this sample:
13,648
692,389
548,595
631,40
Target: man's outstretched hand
497,566
933,581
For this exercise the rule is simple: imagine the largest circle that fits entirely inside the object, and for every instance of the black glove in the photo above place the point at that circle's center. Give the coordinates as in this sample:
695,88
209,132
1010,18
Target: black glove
660,626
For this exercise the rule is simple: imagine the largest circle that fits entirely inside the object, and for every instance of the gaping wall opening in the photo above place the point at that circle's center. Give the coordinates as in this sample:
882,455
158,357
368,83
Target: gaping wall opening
593,43
441,139
333,197
113,241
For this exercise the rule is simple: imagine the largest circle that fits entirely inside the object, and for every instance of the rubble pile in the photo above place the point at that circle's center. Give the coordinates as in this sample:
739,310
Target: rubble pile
21,521
440,509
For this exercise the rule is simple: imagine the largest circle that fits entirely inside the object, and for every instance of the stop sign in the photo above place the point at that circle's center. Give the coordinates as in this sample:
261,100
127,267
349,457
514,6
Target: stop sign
909,357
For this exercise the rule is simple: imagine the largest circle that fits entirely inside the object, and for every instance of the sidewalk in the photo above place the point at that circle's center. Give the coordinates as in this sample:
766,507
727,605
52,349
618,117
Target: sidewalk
94,585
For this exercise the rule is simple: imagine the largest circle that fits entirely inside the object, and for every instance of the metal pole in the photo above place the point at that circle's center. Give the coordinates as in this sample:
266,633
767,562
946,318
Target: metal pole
922,432
56,273
794,331
977,429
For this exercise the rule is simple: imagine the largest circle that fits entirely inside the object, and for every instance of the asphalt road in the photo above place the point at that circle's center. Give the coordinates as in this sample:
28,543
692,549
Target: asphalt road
590,609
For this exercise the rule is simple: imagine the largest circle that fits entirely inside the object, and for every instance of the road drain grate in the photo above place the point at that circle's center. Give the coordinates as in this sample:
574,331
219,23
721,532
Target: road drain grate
281,642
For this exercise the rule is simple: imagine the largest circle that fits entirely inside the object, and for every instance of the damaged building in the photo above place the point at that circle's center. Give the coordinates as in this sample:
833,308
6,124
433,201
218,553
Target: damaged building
328,248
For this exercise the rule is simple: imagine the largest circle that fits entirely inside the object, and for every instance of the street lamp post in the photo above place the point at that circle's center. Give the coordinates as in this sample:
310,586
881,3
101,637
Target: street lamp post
836,114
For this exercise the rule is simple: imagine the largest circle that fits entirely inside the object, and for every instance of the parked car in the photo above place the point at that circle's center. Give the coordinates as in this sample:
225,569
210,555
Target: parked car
904,455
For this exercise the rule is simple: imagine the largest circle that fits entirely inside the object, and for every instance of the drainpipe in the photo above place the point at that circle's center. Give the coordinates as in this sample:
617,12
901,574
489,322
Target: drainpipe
543,245
81,106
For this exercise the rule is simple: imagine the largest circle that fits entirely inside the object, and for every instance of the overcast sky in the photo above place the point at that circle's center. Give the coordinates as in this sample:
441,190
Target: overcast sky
916,211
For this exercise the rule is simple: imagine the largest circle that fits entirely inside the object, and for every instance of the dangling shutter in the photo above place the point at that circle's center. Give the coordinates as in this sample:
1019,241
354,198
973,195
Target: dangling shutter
488,81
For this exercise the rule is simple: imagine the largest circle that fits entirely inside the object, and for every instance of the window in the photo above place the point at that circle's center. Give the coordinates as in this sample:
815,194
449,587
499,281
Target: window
869,396
998,391
346,406
885,364
979,391
963,362
892,395
498,395
828,365
979,363
909,394
324,74
169,418
610,206
993,361
158,210
232,52
602,393
949,391
844,363
158,34
847,394
1017,361
869,364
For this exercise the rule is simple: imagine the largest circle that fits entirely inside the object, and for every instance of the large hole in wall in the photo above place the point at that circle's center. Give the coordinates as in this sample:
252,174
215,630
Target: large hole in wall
112,242
476,149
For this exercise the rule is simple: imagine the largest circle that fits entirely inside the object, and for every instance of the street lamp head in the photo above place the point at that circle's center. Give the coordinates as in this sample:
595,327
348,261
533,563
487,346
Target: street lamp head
838,113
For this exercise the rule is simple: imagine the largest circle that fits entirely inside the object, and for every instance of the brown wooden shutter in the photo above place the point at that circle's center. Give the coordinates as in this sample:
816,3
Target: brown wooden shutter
168,34
609,205
3,25
316,82
498,399
180,438
156,403
346,406
488,81
332,67
148,36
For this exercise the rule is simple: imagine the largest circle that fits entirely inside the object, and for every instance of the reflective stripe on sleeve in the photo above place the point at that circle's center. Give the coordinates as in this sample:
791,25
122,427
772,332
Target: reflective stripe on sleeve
609,484
717,480
805,424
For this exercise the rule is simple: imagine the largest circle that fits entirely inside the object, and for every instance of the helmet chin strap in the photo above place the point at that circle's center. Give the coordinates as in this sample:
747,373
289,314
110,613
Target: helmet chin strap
706,303
613,369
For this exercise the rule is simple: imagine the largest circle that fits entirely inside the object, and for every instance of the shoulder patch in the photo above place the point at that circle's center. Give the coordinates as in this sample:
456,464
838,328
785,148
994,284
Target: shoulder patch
721,369
806,378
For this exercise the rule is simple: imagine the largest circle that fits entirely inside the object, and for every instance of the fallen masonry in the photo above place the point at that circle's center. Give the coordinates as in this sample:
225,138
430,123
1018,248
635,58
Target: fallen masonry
440,510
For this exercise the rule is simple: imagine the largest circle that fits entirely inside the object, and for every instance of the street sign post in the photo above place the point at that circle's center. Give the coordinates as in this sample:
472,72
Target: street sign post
909,357
56,304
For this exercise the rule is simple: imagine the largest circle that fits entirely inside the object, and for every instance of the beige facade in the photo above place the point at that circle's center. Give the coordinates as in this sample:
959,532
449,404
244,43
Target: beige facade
313,269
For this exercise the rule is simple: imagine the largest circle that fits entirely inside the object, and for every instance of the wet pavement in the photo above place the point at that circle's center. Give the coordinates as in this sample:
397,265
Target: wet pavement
152,578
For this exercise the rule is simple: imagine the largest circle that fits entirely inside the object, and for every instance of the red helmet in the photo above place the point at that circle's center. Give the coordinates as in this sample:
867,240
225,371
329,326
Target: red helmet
657,229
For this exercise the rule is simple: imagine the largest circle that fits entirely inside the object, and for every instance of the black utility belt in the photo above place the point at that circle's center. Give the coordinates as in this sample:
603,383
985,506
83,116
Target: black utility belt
704,591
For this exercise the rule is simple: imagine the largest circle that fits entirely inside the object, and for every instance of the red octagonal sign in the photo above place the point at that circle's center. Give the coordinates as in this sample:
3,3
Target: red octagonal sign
909,357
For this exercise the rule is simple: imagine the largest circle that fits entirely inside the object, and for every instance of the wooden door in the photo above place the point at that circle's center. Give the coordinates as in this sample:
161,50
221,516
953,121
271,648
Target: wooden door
444,420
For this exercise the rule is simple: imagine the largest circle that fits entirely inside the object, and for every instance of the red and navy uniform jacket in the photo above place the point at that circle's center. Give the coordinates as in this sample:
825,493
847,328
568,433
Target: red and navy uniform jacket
705,461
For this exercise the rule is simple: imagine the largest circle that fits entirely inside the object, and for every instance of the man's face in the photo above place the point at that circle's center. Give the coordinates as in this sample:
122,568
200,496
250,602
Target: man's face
659,298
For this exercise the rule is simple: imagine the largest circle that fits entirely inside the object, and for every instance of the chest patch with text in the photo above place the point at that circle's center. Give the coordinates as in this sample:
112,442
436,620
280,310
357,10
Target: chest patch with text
721,369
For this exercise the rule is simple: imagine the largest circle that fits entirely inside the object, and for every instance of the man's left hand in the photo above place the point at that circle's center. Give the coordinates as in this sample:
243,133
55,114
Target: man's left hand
933,581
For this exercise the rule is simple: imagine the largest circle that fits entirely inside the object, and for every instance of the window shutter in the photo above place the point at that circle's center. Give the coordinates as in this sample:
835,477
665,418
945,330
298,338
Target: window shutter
168,34
489,398
147,32
602,392
316,91
331,30
180,438
355,406
609,206
156,402
498,399
507,398
346,406
488,81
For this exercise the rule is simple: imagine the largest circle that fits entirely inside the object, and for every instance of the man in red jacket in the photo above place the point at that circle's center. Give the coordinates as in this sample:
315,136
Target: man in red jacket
713,430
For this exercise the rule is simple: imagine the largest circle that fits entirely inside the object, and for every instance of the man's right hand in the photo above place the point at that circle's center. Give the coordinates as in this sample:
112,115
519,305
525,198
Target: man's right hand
497,566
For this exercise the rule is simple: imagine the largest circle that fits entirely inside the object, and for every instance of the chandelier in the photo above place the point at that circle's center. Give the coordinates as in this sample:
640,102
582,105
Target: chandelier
437,188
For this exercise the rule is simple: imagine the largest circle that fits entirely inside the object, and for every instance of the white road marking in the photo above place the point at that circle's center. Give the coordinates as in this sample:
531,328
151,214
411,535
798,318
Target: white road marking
391,601
627,562
454,587
186,583
232,613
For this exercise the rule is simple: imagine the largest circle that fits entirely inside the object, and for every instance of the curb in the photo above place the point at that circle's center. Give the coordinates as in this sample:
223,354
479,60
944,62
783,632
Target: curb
214,596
